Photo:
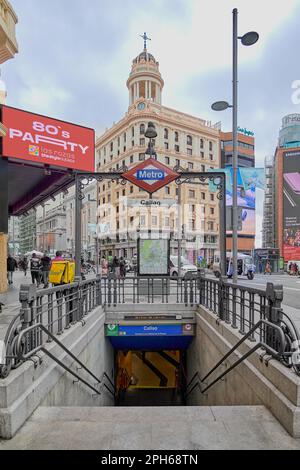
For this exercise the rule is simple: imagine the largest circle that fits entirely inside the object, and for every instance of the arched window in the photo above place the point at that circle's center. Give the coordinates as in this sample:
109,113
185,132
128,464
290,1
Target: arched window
189,140
142,129
132,131
201,143
166,134
176,136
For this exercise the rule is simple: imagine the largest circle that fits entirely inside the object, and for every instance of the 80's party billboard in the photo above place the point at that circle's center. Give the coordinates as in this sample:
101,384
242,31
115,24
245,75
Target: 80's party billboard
43,140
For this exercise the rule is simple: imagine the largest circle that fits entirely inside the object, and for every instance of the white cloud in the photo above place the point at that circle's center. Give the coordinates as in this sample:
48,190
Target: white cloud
193,42
44,97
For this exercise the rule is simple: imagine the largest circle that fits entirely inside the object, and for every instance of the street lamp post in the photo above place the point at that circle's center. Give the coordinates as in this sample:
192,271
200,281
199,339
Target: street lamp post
151,134
247,40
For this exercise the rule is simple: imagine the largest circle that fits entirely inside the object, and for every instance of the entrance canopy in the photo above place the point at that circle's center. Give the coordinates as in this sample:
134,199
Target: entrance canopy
29,186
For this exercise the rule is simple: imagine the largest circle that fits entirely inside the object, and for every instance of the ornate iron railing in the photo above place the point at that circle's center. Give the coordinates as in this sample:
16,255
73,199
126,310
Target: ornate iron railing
240,306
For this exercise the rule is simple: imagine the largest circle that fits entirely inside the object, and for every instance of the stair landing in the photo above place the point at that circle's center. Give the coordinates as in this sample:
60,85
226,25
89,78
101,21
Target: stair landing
151,428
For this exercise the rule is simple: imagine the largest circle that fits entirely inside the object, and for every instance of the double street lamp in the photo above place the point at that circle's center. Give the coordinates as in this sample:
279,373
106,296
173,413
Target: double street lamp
248,39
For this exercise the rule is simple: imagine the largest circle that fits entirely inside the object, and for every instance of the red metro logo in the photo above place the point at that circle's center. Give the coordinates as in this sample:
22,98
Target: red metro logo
151,175
45,140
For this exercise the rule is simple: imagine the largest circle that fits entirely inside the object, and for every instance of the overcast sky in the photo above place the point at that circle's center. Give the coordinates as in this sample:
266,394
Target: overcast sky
75,57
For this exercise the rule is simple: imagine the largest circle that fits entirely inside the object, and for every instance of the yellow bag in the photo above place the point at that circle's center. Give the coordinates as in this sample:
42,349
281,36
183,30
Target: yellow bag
62,272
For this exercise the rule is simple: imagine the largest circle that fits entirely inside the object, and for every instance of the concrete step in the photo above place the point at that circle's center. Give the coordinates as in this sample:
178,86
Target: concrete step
151,428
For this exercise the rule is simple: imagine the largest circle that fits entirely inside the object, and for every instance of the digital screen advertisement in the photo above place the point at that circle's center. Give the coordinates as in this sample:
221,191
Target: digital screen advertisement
43,140
153,257
247,183
291,206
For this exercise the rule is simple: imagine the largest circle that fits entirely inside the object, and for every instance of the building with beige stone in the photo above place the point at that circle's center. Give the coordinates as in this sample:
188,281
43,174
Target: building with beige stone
183,141
88,221
8,48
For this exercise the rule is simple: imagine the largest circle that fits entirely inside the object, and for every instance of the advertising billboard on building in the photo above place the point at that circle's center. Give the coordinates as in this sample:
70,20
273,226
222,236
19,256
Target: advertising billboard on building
291,205
43,140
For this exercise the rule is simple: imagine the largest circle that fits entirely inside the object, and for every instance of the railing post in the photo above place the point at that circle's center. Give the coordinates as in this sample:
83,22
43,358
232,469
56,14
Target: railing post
201,285
27,297
79,306
112,289
274,313
98,290
222,295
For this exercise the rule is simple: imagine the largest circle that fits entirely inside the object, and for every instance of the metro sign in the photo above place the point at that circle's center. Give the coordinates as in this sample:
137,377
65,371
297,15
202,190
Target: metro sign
151,175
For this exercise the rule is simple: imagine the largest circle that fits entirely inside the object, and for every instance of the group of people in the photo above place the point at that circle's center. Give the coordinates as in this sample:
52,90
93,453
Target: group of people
294,269
267,269
113,265
39,268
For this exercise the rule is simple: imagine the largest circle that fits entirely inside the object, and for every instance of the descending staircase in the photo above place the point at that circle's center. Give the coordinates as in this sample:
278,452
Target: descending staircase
152,428
151,397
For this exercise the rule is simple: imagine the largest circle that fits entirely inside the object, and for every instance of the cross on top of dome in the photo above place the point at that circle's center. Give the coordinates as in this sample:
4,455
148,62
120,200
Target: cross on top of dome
145,37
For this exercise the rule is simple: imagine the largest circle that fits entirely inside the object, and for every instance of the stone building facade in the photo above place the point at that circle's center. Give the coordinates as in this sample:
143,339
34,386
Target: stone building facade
183,141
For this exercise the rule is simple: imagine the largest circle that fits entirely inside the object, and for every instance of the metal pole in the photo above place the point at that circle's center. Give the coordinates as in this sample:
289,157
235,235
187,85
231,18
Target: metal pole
179,230
44,217
78,206
223,238
97,254
13,224
235,145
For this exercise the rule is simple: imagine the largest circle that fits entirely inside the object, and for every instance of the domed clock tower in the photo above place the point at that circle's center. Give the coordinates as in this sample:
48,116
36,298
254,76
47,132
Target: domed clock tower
145,80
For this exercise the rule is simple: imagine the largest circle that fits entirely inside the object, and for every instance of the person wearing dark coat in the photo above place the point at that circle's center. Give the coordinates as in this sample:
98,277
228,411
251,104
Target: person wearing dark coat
45,268
35,265
11,267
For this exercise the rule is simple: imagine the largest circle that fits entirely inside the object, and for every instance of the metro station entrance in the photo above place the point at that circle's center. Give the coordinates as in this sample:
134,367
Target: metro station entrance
150,378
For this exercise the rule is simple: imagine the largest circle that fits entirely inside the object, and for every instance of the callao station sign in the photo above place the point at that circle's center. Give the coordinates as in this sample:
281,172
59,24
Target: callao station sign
151,175
47,141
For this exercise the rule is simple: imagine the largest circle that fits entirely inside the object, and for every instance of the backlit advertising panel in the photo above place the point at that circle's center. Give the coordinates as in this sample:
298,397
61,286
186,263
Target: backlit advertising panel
246,201
153,257
291,205
43,140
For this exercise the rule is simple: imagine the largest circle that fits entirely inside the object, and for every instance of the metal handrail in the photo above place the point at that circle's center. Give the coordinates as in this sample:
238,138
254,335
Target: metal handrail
261,344
25,356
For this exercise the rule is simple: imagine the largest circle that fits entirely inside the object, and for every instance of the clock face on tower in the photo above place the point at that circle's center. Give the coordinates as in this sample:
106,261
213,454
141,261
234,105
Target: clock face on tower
141,106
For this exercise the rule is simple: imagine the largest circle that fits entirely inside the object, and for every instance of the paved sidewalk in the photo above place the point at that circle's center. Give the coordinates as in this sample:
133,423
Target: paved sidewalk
152,428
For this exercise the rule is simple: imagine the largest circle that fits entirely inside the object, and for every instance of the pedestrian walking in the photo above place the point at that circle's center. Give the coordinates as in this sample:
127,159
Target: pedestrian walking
24,265
260,267
45,269
11,267
268,268
122,268
110,261
104,267
35,269
116,266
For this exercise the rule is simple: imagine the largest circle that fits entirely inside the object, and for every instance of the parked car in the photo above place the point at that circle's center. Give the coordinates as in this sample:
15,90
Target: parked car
186,267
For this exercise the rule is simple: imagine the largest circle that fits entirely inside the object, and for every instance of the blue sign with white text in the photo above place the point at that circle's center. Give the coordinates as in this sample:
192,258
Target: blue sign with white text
150,174
150,330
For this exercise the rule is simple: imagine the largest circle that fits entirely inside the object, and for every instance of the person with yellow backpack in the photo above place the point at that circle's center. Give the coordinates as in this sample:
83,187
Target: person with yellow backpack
62,271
